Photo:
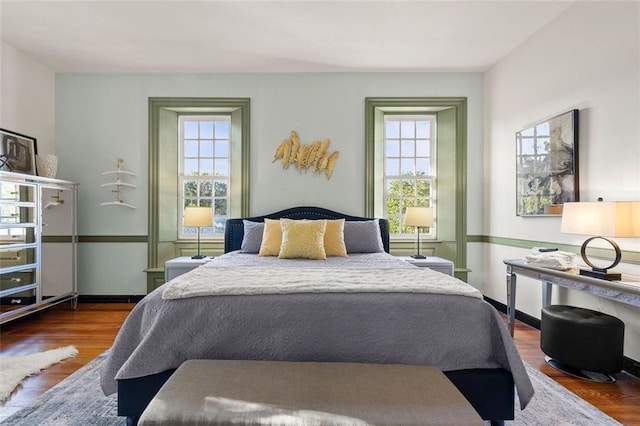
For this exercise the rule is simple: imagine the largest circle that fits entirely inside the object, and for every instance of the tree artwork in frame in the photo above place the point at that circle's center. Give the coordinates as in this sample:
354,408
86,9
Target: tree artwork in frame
547,165
17,152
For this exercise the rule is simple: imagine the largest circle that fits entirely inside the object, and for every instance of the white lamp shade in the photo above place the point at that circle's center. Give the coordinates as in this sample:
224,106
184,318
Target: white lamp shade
198,216
418,216
602,218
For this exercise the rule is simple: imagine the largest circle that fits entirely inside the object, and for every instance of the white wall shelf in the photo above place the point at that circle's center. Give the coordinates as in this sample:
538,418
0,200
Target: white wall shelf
118,184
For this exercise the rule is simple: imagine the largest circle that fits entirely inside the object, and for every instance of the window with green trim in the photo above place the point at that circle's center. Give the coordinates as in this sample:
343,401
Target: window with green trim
409,168
448,169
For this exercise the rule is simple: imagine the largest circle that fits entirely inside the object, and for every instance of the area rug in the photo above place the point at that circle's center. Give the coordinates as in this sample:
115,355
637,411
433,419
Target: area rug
14,369
79,401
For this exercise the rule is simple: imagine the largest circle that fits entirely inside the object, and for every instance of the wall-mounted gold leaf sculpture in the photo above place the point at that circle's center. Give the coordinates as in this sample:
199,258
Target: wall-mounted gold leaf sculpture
314,156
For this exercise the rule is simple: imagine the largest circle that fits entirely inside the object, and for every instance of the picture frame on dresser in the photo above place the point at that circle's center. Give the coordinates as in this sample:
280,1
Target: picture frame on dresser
547,165
17,152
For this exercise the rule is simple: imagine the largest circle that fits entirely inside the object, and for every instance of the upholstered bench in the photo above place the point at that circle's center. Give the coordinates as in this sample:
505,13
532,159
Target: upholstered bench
582,342
216,392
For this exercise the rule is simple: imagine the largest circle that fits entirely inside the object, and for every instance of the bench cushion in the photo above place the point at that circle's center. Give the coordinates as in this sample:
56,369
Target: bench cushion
217,392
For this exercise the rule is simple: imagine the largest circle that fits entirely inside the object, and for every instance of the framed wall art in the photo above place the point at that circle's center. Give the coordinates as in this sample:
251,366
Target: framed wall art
547,165
17,152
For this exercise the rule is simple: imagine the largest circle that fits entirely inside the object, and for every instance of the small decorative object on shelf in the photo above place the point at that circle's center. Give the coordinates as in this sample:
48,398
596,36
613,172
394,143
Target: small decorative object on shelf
56,200
47,165
118,184
17,152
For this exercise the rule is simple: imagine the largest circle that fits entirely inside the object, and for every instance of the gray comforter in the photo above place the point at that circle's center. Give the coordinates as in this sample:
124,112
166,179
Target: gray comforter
448,331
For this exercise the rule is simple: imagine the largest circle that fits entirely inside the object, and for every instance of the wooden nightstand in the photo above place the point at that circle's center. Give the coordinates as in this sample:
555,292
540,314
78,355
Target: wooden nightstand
180,265
433,262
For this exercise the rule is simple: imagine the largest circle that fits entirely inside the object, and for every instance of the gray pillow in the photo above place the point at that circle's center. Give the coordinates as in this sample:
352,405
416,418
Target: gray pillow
363,236
252,236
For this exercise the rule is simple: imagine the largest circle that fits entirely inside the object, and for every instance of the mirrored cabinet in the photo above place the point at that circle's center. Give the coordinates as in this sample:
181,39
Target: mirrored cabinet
38,243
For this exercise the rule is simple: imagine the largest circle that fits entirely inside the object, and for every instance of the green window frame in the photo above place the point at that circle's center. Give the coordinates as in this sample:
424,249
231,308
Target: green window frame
164,189
451,137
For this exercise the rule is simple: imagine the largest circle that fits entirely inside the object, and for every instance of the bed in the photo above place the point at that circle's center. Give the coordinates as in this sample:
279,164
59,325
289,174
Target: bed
365,307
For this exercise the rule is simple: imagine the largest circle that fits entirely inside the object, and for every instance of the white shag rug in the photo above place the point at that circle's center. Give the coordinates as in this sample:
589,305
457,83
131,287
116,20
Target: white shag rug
13,369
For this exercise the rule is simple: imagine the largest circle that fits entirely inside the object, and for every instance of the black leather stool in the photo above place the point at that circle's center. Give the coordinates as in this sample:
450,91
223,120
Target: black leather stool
582,342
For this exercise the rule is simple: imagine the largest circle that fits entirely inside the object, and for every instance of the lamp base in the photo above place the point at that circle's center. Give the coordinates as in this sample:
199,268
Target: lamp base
198,256
603,275
418,256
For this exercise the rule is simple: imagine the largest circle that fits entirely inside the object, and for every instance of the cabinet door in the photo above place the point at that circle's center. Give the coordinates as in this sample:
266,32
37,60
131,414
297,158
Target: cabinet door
58,246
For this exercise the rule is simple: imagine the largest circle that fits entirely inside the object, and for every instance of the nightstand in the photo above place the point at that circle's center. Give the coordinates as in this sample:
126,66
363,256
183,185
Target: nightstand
433,262
180,265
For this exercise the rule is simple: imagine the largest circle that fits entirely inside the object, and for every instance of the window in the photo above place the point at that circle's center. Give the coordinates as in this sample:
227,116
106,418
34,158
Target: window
409,167
204,169
448,138
166,238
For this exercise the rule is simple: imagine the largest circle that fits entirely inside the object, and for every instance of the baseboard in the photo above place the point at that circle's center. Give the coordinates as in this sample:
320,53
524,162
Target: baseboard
520,316
109,298
629,365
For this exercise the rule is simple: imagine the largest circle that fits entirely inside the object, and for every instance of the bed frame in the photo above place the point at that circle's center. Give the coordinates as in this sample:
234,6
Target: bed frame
234,228
490,391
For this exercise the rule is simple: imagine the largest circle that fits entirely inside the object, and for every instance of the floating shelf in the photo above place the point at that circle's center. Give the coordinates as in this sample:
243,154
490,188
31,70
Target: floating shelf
119,172
118,183
118,203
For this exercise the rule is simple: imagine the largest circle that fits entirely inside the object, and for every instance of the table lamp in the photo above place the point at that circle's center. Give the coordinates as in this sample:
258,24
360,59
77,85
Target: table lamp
198,217
420,217
602,219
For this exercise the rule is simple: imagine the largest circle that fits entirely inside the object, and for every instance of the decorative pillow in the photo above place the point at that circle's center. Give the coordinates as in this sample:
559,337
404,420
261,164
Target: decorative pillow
252,238
334,238
302,239
363,236
271,238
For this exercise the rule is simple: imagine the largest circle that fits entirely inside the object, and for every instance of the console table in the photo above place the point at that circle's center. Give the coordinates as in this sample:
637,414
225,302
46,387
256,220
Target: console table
625,291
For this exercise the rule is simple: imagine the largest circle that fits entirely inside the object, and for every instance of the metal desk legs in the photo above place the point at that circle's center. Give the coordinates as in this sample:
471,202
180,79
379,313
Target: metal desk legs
511,300
546,293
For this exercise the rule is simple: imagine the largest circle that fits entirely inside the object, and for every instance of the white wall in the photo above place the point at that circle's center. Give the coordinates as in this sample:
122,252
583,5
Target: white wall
27,97
587,58
100,117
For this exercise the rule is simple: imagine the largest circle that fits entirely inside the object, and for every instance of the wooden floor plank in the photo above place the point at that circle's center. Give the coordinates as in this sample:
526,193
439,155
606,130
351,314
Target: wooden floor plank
93,327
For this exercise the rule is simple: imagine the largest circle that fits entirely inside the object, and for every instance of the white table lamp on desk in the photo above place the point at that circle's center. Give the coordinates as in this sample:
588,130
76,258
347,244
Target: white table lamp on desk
198,217
602,219
420,217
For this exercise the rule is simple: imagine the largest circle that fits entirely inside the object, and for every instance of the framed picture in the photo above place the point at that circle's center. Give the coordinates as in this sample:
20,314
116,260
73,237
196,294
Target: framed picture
17,152
547,165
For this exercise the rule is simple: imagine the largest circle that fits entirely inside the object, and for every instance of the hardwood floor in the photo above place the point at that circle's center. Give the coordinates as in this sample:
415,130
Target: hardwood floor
93,326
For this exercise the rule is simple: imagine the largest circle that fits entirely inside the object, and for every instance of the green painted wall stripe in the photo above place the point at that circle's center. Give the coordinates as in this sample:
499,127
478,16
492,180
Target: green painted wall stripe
113,239
628,256
56,238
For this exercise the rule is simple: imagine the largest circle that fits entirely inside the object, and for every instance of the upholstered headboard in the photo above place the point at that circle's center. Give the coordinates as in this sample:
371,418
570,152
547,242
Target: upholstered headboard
234,228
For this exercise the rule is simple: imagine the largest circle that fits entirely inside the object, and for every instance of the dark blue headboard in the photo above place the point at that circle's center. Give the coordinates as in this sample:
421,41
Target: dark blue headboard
234,228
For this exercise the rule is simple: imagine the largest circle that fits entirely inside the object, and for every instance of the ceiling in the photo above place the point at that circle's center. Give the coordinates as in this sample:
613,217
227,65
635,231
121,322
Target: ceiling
271,36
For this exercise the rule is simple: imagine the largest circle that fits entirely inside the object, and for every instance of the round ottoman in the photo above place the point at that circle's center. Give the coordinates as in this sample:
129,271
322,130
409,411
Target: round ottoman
582,342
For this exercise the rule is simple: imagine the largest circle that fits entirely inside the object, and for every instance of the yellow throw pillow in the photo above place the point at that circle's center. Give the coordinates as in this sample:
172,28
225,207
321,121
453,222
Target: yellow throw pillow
271,238
302,239
334,238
